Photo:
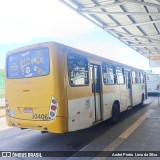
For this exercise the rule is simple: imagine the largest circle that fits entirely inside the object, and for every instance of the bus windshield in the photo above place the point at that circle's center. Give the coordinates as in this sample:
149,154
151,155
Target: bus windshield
30,63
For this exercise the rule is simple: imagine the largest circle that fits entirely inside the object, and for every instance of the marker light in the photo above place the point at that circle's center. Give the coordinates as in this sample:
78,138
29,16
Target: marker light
53,109
54,101
52,114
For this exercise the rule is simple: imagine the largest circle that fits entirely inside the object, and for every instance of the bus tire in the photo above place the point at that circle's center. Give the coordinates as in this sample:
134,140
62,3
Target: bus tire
115,113
142,100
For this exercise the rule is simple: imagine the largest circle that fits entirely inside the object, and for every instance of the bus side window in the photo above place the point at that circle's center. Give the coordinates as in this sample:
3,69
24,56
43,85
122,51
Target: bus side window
120,75
144,78
141,77
142,81
134,80
138,77
109,74
77,70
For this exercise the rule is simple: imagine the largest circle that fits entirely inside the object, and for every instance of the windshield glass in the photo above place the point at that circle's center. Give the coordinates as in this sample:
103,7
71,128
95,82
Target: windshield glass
31,63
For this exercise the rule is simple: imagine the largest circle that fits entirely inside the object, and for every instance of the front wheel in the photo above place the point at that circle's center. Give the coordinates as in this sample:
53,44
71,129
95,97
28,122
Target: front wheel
115,113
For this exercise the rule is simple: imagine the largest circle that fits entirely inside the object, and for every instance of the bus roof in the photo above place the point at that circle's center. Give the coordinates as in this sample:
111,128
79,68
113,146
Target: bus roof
73,50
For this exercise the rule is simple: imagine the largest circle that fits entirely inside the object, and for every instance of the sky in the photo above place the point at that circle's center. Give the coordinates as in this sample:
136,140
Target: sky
33,21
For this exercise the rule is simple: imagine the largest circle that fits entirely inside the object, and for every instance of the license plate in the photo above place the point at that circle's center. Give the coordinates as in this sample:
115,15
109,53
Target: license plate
27,110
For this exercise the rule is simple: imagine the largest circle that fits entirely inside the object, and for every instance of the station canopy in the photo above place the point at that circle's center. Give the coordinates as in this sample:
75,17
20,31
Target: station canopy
134,22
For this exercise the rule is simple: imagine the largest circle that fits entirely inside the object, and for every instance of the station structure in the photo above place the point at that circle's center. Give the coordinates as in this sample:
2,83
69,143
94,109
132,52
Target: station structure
134,22
137,24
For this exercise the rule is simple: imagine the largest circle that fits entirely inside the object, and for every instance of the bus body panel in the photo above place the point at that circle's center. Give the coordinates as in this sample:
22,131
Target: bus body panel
138,90
79,106
29,94
80,113
111,94
58,126
36,94
123,97
153,81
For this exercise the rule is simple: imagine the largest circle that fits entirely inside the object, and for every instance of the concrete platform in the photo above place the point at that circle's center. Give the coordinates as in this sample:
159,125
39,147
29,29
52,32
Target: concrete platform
138,132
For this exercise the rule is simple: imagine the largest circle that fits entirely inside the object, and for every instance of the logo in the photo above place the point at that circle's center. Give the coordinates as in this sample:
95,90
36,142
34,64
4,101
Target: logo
6,154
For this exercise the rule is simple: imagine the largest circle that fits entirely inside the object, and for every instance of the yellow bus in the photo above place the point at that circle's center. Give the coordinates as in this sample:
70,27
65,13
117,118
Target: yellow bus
55,88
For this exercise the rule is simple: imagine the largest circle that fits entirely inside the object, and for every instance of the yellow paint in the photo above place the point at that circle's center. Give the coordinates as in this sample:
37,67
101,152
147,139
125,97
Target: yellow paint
56,126
79,92
37,92
110,89
135,125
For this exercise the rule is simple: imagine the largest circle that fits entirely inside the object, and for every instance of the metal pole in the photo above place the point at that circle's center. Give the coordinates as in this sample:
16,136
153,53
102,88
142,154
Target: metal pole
158,98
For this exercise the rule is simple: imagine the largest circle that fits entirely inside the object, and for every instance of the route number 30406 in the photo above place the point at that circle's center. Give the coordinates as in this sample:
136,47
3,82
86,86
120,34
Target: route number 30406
40,116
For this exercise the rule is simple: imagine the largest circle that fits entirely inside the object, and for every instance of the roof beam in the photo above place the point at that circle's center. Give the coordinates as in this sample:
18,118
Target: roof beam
133,40
145,3
122,13
144,45
104,6
121,3
136,36
131,25
136,41
143,42
147,50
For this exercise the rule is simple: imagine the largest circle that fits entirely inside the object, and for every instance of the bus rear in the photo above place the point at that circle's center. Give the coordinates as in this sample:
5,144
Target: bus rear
31,99
153,82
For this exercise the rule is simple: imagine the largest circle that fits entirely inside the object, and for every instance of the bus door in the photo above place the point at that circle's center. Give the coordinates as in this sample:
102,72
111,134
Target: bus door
96,90
128,88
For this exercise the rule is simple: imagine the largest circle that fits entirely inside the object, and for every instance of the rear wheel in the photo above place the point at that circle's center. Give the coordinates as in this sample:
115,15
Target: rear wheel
115,113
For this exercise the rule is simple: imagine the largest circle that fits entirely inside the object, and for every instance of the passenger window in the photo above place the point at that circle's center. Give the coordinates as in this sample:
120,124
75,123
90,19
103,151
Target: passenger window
134,79
77,70
120,75
137,77
109,74
140,77
144,77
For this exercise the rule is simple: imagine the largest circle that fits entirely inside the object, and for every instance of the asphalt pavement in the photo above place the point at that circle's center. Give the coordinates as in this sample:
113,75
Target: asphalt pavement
135,126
